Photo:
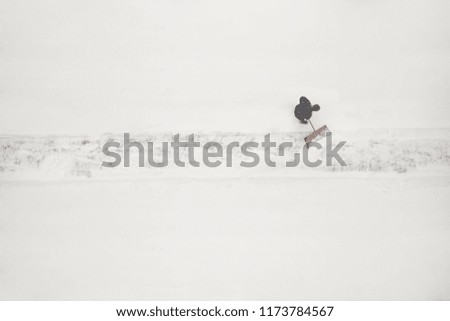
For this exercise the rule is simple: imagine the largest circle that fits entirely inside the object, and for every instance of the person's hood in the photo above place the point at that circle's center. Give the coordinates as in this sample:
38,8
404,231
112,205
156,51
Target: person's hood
304,100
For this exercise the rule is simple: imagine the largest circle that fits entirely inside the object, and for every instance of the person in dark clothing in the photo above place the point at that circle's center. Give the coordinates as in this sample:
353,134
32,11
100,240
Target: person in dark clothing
303,111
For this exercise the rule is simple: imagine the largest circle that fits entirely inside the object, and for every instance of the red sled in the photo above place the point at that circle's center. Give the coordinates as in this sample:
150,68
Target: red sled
316,134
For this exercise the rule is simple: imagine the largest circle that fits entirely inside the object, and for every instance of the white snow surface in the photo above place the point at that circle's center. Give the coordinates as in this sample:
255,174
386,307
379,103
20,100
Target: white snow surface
378,229
365,151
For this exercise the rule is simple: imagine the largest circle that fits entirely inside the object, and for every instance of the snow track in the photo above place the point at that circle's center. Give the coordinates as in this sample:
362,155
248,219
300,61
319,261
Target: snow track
401,151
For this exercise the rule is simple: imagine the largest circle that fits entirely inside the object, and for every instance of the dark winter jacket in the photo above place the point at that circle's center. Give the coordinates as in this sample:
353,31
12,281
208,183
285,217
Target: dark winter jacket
303,111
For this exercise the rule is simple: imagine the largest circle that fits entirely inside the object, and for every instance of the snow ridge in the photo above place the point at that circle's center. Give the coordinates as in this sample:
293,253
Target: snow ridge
62,157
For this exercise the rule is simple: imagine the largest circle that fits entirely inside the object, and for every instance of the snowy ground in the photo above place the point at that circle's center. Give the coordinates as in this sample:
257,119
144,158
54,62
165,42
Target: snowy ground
370,232
365,151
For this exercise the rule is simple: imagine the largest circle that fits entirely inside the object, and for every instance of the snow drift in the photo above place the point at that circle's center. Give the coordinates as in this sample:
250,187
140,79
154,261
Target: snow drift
65,157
